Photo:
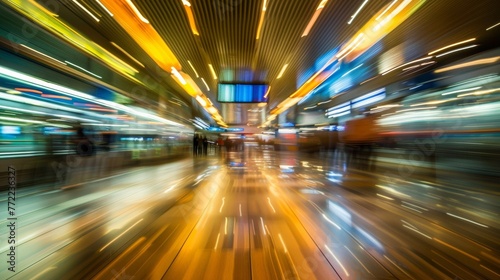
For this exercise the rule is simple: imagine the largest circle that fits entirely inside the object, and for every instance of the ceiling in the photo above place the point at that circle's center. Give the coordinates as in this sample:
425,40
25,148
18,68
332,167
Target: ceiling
228,30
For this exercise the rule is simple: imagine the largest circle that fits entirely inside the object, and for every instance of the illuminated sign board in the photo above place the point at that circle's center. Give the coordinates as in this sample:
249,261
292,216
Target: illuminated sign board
242,93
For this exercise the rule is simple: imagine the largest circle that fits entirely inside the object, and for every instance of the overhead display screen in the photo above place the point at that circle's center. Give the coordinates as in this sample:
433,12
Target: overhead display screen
242,93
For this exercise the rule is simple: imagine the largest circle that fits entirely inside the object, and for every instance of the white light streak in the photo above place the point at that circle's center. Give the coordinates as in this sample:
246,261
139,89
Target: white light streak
456,50
333,255
493,26
356,13
452,45
104,7
467,220
114,239
137,12
83,69
206,85
41,53
87,11
192,67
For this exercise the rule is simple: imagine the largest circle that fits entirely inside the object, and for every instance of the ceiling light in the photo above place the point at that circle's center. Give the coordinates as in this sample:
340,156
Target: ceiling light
212,71
192,23
282,71
192,67
261,20
356,13
86,10
137,12
206,85
314,17
104,7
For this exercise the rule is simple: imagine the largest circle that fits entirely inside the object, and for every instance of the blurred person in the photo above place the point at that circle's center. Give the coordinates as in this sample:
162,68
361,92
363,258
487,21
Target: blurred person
205,145
195,144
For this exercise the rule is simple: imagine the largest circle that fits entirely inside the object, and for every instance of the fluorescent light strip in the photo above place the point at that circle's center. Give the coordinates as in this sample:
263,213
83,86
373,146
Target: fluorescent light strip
40,53
137,12
87,11
178,75
203,80
493,26
356,13
212,71
282,71
127,54
314,17
104,7
386,9
261,19
456,50
452,45
192,67
83,69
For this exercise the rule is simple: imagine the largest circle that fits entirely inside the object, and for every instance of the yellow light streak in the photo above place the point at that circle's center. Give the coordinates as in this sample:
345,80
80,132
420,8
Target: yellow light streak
143,33
469,64
315,16
261,19
212,70
282,71
189,12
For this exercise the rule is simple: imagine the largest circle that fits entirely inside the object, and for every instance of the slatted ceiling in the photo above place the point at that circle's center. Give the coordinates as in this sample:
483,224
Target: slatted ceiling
228,29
